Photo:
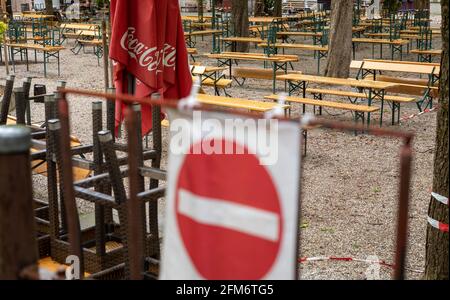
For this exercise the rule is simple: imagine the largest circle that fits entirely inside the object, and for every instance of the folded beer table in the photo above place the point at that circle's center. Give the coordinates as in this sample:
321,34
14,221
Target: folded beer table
279,62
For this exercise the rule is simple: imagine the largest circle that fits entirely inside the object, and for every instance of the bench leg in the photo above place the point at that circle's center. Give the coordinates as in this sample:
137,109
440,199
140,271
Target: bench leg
45,65
305,141
59,65
26,58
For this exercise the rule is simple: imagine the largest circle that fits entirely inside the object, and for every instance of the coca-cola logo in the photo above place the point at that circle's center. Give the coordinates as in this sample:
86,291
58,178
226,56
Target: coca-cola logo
147,57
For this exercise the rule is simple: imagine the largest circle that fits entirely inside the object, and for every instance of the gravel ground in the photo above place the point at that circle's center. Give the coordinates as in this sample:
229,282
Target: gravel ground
349,182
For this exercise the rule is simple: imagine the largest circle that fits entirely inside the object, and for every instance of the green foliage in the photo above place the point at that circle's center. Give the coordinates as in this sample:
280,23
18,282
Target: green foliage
101,3
3,28
392,6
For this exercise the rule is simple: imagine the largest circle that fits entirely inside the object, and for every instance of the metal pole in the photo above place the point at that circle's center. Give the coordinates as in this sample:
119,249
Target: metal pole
18,246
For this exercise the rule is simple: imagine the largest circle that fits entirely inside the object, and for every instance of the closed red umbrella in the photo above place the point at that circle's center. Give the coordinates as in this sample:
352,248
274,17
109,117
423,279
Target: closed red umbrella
147,43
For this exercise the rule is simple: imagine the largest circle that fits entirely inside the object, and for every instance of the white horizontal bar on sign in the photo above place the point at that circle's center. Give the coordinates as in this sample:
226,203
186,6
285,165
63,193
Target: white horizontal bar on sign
243,218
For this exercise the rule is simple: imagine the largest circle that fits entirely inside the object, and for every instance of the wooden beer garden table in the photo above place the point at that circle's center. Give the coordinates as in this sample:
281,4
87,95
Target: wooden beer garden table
279,62
375,89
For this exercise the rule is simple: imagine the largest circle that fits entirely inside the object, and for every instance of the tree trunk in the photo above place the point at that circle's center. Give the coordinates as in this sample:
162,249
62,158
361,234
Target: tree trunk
200,10
422,4
49,7
239,12
436,261
340,41
277,8
259,8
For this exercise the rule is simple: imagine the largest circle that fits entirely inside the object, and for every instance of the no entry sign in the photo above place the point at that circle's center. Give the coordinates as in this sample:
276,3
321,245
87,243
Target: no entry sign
227,215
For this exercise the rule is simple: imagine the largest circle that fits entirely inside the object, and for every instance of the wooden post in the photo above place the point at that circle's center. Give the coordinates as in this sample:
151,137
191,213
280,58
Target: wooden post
5,46
18,246
105,55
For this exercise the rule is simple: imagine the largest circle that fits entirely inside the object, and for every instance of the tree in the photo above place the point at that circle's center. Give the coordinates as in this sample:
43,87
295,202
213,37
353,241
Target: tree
340,41
436,259
239,15
200,10
423,5
49,7
259,8
277,8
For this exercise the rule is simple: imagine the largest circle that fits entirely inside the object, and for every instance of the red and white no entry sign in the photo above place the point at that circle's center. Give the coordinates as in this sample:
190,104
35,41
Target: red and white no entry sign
236,211
231,216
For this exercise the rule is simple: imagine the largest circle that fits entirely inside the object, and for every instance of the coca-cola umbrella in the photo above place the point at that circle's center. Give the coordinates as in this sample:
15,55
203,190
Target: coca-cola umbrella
149,52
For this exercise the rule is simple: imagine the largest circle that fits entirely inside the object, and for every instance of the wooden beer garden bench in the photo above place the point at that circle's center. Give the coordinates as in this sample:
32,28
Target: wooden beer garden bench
375,90
426,55
359,110
239,103
319,51
284,35
394,101
232,41
279,62
426,88
396,45
188,35
48,51
192,52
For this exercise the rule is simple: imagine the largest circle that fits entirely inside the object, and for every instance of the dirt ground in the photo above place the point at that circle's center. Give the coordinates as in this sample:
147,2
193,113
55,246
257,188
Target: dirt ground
349,183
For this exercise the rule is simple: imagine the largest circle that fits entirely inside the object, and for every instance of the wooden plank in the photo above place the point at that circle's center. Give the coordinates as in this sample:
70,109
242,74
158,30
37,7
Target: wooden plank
380,41
403,62
252,56
435,52
330,104
395,67
358,95
377,85
243,39
228,102
296,46
299,33
258,73
202,32
36,47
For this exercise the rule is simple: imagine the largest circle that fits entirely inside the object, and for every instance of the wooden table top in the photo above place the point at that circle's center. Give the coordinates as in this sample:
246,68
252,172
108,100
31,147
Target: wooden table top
243,39
252,56
36,47
265,19
395,67
377,85
229,102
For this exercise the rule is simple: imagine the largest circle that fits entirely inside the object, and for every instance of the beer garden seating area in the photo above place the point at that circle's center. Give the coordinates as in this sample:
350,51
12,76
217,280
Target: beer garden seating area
283,68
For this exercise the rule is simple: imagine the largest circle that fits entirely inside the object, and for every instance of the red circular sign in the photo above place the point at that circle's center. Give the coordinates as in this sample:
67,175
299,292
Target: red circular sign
220,202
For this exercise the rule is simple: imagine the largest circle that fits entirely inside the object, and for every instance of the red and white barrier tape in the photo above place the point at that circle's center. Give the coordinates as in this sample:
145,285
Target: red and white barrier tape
435,223
427,110
438,225
334,258
440,198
